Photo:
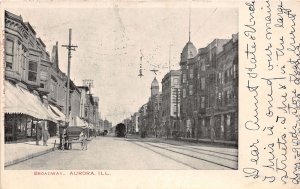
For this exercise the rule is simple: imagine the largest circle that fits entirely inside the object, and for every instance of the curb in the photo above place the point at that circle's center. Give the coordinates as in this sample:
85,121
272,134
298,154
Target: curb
30,156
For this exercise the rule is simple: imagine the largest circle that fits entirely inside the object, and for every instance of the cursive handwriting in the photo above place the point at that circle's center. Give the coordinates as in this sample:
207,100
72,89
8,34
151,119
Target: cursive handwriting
253,124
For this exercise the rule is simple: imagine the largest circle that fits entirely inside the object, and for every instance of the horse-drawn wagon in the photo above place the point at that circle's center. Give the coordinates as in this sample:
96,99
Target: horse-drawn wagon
74,135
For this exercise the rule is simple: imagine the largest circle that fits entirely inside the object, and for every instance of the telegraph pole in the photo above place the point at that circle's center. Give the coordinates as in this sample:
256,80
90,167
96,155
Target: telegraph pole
70,48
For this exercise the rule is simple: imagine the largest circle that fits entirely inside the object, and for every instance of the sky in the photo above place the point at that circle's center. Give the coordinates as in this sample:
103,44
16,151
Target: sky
111,41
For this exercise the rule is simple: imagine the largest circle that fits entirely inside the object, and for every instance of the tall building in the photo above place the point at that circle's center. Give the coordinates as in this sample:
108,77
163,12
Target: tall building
209,90
154,115
26,77
170,108
188,84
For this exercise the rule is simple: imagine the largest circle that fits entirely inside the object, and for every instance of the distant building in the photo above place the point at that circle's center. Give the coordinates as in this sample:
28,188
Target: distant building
135,122
142,120
154,106
170,107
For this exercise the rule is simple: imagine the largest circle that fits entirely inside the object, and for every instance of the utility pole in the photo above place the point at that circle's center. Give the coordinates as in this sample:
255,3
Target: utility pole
70,48
170,46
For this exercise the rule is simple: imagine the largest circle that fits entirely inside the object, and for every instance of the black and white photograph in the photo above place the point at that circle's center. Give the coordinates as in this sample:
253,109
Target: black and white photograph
121,88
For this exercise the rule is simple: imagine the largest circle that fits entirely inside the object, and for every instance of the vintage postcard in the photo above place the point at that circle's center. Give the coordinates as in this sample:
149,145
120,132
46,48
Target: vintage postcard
150,94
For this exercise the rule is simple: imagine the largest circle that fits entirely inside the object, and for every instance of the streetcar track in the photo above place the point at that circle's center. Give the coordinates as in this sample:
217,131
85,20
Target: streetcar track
202,153
192,156
164,155
178,146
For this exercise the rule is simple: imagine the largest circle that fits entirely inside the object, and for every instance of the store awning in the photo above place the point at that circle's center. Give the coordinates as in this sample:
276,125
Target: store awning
14,103
76,121
59,115
38,105
21,101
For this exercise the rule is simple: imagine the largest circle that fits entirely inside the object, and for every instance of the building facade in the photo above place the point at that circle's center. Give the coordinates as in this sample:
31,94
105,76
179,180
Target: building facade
209,90
170,108
30,73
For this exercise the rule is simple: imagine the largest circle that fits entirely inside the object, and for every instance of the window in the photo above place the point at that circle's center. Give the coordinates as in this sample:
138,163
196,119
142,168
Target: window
229,96
183,78
183,93
191,74
32,71
175,80
190,89
9,53
202,83
195,72
203,66
43,75
226,77
234,71
202,102
219,98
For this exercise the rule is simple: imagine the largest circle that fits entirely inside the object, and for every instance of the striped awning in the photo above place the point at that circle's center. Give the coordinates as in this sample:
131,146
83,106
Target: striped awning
21,101
57,113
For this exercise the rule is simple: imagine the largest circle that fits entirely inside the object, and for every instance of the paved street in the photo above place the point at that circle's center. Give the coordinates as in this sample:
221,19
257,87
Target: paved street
110,153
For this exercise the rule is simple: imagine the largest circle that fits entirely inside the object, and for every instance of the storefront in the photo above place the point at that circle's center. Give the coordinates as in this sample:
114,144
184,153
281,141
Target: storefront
21,116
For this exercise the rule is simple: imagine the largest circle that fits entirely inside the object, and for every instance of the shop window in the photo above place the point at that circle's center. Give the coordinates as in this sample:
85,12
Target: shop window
32,71
9,53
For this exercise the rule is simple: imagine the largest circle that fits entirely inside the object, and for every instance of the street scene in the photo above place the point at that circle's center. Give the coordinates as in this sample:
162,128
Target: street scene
131,153
121,89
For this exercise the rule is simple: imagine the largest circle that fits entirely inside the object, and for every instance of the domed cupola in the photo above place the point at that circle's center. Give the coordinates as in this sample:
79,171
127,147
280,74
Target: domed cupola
154,87
189,51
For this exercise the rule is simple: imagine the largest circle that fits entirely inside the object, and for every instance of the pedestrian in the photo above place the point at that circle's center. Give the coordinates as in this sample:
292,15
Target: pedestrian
46,134
212,135
83,139
38,132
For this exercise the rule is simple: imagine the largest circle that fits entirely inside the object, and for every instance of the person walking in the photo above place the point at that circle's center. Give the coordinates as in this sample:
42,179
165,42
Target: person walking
83,139
38,132
46,134
212,134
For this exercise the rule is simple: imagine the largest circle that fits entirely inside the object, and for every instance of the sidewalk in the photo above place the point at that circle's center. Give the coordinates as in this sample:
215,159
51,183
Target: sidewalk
18,152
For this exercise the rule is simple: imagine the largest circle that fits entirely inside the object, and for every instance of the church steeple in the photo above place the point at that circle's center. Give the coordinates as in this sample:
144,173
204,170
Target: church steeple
189,24
189,51
154,87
